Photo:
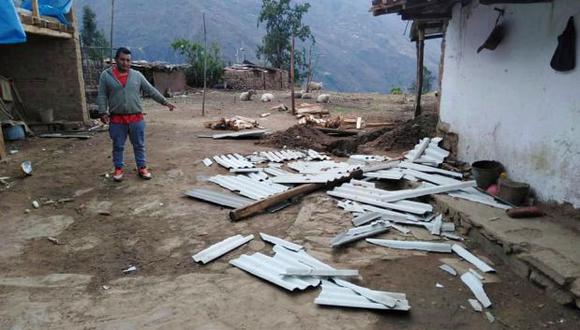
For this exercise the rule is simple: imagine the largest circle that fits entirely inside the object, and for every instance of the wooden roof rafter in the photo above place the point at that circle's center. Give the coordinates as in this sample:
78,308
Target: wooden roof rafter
34,23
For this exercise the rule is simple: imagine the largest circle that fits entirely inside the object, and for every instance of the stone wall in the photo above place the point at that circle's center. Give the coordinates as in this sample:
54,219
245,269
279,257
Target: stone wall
245,80
48,75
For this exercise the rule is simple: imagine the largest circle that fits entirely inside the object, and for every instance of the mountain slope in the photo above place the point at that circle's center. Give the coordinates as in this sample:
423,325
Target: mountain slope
357,52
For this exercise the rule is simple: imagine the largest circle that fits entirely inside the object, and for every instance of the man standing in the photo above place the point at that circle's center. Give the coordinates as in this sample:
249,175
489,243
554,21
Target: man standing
119,91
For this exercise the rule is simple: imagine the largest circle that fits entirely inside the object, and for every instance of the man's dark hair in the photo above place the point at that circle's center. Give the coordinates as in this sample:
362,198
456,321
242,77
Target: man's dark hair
122,50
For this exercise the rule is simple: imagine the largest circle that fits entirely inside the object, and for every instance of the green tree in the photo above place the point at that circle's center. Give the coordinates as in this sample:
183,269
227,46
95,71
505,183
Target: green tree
194,54
281,21
427,82
92,38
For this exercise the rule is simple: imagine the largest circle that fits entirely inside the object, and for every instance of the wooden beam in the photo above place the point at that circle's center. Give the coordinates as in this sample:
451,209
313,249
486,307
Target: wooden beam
420,57
33,29
292,77
2,146
495,2
261,205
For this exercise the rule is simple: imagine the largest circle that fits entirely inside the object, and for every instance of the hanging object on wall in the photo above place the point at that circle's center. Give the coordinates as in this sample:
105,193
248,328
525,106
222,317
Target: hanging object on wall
497,34
564,58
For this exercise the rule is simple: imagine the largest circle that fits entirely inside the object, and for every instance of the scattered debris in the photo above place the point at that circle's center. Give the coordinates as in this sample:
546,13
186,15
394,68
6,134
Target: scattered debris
448,269
438,285
475,304
26,167
476,287
491,318
525,212
469,257
279,107
35,204
361,232
221,248
207,162
106,287
278,241
130,269
66,136
53,240
359,297
233,161
264,115
235,123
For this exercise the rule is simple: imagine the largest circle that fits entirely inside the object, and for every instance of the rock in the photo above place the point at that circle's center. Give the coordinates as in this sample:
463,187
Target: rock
35,204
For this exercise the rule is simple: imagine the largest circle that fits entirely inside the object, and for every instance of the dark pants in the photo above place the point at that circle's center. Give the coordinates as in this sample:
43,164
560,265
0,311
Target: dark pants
136,132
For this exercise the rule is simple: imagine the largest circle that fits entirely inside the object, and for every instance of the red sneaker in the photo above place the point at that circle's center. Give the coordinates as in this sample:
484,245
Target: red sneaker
118,174
144,173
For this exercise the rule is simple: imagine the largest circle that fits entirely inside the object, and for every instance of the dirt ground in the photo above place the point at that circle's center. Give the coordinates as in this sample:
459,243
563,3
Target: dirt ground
108,226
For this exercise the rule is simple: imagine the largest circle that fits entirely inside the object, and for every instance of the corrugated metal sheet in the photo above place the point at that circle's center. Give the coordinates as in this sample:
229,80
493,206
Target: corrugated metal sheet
242,134
233,161
219,198
278,241
412,245
429,169
314,155
392,174
221,248
334,295
271,268
365,218
207,162
248,187
258,176
276,171
282,155
354,234
309,167
359,196
304,178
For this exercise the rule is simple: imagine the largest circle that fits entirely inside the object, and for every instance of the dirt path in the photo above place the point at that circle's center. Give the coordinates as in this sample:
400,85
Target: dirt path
152,226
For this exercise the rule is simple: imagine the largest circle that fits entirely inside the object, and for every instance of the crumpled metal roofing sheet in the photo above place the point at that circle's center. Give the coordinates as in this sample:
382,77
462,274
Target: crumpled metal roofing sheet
310,167
314,155
373,200
472,259
221,248
220,198
233,161
276,171
248,187
433,154
365,218
429,169
305,178
334,295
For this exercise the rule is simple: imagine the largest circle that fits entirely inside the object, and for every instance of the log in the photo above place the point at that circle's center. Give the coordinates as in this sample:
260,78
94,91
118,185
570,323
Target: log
261,205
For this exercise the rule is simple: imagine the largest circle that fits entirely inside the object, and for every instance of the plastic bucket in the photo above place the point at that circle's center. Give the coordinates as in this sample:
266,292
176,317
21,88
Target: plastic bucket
13,133
486,172
513,192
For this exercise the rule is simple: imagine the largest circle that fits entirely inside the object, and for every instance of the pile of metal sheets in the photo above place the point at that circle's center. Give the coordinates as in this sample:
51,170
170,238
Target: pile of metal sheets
282,155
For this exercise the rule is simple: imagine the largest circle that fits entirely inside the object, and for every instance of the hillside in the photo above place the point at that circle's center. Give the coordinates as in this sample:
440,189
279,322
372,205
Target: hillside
358,52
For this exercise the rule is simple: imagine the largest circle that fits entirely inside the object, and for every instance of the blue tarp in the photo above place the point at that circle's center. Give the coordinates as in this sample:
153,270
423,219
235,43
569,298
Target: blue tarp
11,30
52,8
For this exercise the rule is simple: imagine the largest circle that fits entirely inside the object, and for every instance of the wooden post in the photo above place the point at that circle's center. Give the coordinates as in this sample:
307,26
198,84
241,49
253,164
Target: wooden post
204,66
2,147
35,11
112,28
292,76
420,56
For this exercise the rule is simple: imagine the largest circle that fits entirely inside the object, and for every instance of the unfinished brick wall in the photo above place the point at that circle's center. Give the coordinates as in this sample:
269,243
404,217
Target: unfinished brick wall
245,80
48,74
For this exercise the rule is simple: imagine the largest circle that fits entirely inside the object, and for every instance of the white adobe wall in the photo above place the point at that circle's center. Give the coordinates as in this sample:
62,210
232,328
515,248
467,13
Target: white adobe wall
509,104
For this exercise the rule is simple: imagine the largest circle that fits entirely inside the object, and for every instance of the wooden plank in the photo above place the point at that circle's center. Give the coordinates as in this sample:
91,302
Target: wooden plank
262,205
32,29
35,11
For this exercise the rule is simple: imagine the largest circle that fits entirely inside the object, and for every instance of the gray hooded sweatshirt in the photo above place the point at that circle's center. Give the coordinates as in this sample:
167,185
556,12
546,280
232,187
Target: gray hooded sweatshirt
125,100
